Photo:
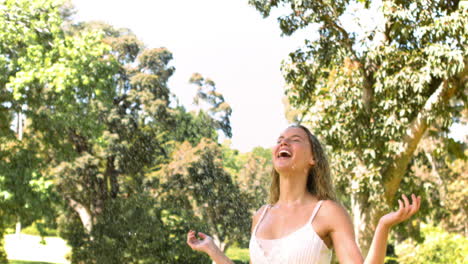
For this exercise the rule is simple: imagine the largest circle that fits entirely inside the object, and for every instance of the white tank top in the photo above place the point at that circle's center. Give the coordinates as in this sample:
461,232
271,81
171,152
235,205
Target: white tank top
302,246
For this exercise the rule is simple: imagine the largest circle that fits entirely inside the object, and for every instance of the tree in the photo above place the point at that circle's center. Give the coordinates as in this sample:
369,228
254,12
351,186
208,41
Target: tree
254,176
372,90
440,171
251,172
39,67
213,103
107,184
196,177
98,117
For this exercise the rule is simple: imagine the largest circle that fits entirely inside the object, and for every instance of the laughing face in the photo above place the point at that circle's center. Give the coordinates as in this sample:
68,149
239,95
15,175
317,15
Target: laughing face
293,152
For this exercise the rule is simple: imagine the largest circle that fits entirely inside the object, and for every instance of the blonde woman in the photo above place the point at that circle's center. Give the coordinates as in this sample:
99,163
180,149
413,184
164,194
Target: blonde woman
303,223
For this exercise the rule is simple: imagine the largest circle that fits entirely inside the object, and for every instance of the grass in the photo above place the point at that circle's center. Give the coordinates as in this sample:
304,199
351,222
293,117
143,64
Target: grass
241,254
28,249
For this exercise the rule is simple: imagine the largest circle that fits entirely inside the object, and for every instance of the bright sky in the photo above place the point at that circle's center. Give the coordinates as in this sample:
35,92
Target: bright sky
227,41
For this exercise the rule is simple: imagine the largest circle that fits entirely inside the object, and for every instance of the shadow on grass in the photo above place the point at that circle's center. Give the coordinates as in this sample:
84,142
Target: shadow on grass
27,262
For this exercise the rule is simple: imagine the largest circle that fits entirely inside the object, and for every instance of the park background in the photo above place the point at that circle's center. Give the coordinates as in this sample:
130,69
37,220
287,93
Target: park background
101,144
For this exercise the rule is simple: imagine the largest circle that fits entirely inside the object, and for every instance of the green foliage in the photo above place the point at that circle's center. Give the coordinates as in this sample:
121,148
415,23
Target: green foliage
254,177
135,230
3,256
39,229
192,127
231,162
439,247
99,122
439,174
109,184
214,102
251,171
26,192
36,63
196,181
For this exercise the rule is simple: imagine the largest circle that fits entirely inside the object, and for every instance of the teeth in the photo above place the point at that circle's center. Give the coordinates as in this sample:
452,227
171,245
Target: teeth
284,151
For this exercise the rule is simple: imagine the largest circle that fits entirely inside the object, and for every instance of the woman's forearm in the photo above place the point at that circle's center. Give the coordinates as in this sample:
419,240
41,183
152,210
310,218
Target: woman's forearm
218,256
378,248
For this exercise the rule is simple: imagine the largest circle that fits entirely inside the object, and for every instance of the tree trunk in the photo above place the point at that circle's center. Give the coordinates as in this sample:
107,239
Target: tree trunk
221,245
84,213
19,131
18,227
364,222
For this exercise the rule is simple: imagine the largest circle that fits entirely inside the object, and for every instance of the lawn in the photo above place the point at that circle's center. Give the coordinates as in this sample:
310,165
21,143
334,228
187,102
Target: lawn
27,249
239,254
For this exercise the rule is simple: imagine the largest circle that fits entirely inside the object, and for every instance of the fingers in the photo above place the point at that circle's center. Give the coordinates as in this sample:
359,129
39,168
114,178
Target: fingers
414,204
401,207
191,239
407,209
202,235
191,236
188,235
417,203
199,244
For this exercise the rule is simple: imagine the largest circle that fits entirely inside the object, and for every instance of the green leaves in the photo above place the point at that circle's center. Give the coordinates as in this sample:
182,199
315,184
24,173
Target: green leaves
439,247
197,174
213,103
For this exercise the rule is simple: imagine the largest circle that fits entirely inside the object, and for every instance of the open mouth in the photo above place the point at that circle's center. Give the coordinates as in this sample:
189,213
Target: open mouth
284,154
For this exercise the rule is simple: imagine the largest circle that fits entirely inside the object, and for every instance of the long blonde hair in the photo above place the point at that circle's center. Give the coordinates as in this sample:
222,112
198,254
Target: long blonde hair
319,181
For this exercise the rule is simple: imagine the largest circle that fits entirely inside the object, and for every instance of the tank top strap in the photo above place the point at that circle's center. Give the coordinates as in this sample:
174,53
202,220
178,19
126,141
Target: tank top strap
261,217
317,207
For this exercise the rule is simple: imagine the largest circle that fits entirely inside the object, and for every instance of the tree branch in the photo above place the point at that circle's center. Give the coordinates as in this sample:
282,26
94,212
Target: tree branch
83,212
111,173
394,173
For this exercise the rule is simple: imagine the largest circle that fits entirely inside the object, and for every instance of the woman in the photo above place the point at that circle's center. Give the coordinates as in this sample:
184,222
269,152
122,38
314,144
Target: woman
303,222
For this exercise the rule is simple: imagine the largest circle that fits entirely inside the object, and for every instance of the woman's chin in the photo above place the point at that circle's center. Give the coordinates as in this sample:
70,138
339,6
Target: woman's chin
289,166
284,166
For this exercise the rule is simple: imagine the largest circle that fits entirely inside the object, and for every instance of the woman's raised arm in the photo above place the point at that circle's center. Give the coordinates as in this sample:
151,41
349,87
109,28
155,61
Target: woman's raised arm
342,232
378,247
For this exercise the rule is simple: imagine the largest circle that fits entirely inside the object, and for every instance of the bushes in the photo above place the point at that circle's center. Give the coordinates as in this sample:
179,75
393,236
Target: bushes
133,230
439,246
39,229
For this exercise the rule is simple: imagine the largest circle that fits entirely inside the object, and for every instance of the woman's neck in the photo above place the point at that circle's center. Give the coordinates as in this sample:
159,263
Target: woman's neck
293,190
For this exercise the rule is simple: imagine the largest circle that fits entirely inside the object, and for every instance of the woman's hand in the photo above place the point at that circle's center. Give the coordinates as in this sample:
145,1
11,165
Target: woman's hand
205,244
405,211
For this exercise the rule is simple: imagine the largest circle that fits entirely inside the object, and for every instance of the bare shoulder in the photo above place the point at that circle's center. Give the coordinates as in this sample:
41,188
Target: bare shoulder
257,214
335,214
331,206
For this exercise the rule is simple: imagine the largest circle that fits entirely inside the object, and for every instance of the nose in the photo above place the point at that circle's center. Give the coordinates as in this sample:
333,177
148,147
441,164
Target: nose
283,142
